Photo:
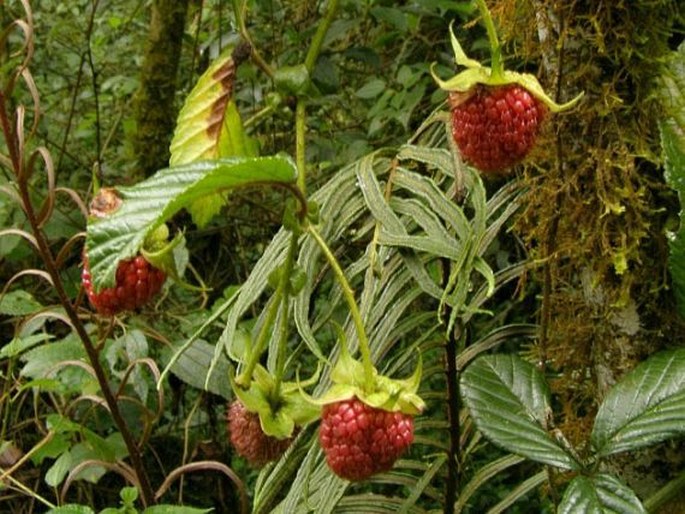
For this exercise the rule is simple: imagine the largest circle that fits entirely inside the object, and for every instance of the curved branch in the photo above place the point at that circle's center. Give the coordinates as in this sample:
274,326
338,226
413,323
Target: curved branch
206,465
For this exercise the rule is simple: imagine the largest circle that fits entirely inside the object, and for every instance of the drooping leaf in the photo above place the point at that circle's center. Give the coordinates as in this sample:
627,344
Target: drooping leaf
647,406
150,203
209,126
509,402
600,494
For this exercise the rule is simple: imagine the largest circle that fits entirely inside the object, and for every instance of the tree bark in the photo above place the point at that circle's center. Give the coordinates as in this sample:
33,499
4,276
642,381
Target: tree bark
155,107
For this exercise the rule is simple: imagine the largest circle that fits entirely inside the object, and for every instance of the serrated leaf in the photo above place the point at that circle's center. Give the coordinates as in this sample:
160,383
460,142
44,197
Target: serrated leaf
18,303
47,357
601,494
509,401
150,203
647,406
21,344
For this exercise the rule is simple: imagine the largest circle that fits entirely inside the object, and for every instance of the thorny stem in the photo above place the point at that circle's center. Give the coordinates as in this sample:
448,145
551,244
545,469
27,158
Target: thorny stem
496,65
352,304
51,267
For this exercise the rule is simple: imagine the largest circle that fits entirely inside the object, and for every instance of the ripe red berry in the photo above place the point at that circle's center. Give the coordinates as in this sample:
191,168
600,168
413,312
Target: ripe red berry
359,440
248,438
496,126
137,281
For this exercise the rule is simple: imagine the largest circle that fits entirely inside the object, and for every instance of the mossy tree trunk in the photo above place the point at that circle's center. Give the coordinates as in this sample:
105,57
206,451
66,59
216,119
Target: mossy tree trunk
598,204
155,106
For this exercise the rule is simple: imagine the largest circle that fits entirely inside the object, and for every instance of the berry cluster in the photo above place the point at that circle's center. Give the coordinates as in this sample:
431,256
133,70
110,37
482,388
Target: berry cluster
248,438
359,440
137,281
495,127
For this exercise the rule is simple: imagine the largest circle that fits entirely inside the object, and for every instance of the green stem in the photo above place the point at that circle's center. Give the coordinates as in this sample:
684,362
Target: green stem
265,331
352,303
300,145
496,66
283,328
317,40
300,110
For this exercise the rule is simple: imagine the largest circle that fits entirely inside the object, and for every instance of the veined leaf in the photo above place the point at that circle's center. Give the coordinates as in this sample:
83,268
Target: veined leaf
601,494
509,401
150,203
209,126
646,407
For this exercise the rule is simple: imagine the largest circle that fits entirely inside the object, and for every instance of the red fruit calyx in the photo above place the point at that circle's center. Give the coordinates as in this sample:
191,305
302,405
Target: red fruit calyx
496,126
137,281
249,440
359,440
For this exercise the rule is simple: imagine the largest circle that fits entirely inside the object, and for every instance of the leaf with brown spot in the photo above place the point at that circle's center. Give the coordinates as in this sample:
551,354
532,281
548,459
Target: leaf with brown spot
209,125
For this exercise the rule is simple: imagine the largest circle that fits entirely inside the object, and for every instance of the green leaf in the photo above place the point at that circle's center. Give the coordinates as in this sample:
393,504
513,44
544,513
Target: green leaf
371,89
601,494
18,303
193,364
150,203
509,401
647,406
59,469
19,345
672,130
46,358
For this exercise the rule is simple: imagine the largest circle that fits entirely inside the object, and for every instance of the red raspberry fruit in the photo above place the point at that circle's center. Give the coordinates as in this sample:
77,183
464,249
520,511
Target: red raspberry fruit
249,440
137,281
496,126
359,440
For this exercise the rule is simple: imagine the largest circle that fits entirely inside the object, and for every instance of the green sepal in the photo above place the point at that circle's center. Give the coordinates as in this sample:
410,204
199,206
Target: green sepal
349,380
313,212
278,416
475,74
162,255
293,79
